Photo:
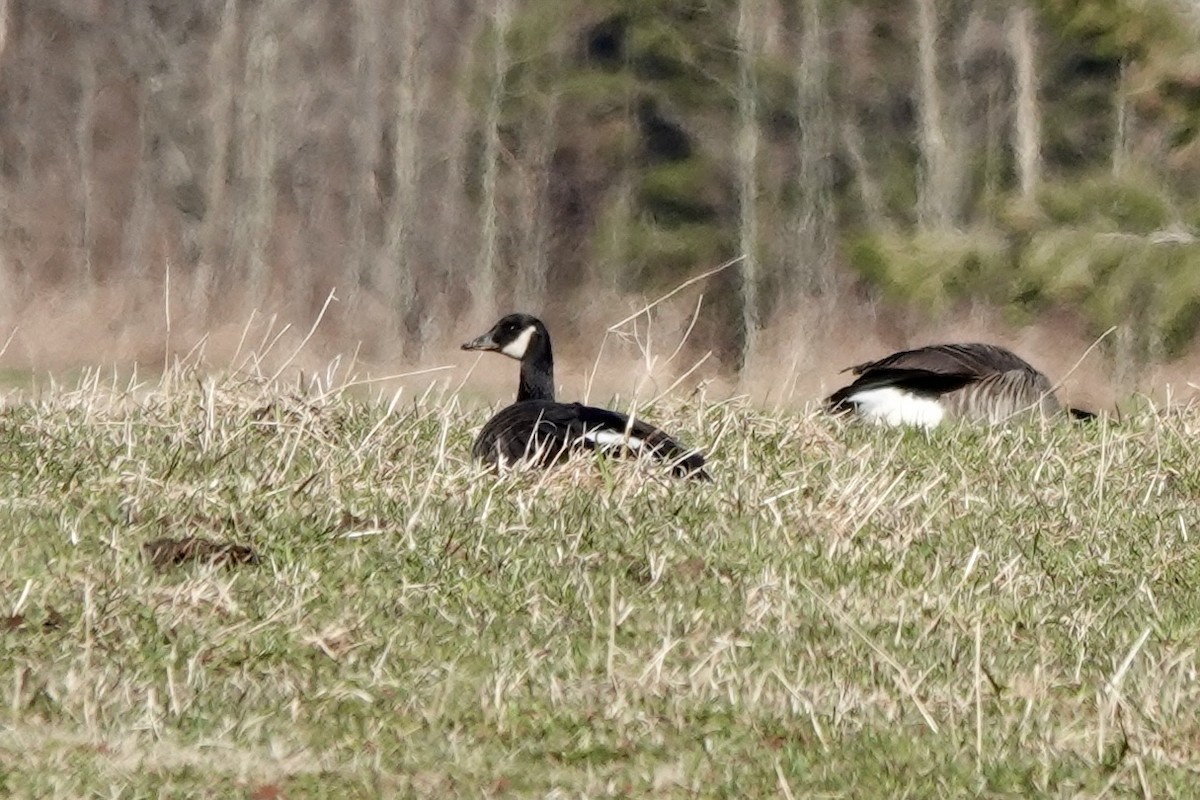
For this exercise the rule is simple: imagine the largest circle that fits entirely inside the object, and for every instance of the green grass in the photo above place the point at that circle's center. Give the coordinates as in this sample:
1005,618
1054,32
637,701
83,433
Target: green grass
844,612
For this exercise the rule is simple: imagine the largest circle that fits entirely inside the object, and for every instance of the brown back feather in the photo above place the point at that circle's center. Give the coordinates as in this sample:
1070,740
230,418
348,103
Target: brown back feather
973,359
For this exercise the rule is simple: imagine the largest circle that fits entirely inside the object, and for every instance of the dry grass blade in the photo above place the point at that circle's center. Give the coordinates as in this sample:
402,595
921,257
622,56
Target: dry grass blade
616,326
844,610
902,676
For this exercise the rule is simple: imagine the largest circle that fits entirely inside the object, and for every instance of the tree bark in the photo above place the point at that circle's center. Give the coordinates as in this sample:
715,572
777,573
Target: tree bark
936,182
400,262
815,224
84,134
1120,151
366,126
747,178
454,259
259,152
1027,127
222,77
8,303
486,281
535,216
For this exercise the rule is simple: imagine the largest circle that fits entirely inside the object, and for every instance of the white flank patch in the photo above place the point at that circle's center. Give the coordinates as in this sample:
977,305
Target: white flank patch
891,406
517,347
610,438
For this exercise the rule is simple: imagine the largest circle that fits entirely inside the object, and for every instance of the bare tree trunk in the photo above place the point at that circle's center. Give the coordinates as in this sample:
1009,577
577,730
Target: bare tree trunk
747,177
486,281
366,127
84,129
138,48
1120,151
454,258
222,76
995,149
535,216
398,273
814,251
7,300
609,270
140,221
259,150
869,192
936,185
1027,130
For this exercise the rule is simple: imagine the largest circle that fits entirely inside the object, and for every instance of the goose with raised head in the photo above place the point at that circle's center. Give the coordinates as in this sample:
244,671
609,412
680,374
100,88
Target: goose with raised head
927,385
539,430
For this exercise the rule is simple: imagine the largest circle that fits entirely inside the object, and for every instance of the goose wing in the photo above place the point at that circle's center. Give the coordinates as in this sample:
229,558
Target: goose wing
528,429
934,370
544,432
1002,395
602,428
974,359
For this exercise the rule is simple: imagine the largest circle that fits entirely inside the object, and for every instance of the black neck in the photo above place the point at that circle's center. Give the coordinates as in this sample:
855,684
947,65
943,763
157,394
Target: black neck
537,371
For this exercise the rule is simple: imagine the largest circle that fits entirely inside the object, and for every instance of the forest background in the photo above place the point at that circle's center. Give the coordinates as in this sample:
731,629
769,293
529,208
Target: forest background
893,171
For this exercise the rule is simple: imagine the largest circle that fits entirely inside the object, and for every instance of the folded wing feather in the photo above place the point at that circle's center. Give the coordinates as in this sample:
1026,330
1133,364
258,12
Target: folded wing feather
544,432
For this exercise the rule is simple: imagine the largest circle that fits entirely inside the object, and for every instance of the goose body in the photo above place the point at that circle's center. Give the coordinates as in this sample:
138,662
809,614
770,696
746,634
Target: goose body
927,385
538,430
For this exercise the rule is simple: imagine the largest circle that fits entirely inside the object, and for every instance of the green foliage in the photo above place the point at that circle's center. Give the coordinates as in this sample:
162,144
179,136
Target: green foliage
1130,204
659,256
1109,276
1155,43
623,72
597,93
1124,28
1108,247
679,192
660,50
1066,264
934,268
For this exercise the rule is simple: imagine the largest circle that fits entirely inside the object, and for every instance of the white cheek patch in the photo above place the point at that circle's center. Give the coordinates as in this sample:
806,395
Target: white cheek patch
517,347
891,406
611,438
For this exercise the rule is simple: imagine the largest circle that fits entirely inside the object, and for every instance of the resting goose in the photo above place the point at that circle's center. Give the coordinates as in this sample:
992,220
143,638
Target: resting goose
926,385
542,431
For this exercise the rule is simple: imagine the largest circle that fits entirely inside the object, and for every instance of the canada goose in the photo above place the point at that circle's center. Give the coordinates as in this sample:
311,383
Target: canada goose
541,430
957,381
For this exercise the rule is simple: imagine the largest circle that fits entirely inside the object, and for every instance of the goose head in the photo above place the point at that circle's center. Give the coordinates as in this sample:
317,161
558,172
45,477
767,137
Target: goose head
515,335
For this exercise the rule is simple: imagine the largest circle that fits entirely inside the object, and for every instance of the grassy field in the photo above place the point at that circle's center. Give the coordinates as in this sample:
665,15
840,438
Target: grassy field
843,612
